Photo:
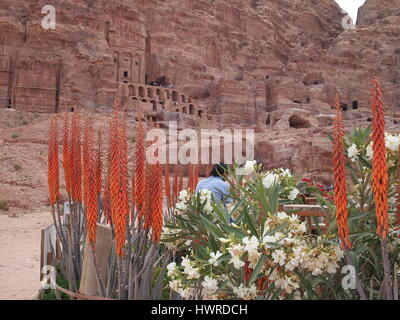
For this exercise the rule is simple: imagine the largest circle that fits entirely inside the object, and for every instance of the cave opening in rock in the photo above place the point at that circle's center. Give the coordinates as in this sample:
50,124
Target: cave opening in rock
344,106
298,122
355,105
268,122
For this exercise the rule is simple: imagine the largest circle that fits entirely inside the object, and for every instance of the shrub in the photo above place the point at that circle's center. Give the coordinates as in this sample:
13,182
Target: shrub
17,167
14,136
248,249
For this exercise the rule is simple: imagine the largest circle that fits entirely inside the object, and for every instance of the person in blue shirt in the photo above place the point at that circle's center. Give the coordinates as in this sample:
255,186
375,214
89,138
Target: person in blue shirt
216,184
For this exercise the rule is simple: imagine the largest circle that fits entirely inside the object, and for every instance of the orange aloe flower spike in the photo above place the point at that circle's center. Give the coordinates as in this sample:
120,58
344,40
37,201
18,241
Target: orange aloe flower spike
53,164
380,177
338,161
67,165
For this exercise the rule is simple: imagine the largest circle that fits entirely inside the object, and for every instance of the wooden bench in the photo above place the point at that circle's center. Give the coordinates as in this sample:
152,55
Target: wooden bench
308,213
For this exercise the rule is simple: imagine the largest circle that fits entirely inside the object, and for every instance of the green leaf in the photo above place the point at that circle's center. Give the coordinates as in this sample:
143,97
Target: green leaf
257,269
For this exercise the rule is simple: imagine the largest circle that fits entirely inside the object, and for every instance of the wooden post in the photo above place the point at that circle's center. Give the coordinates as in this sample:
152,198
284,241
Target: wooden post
88,285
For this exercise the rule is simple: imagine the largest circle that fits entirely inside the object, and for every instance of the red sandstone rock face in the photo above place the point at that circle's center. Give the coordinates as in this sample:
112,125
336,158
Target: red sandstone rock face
265,64
374,10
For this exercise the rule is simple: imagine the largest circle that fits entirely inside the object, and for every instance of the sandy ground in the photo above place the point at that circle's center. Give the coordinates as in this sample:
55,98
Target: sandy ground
20,253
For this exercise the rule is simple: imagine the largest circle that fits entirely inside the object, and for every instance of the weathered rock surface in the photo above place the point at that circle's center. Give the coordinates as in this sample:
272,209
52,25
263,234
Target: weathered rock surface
270,65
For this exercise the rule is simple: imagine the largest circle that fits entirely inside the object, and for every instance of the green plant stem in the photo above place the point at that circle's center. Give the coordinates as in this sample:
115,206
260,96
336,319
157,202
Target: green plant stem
100,283
386,267
359,285
121,278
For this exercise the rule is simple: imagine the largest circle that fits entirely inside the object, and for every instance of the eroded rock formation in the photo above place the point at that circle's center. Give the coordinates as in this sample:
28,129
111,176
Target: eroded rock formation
270,65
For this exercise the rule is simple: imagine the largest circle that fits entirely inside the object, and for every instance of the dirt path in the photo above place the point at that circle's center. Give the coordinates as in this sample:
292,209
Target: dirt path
19,254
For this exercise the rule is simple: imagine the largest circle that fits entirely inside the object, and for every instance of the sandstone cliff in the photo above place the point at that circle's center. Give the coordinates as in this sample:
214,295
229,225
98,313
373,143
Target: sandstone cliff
269,65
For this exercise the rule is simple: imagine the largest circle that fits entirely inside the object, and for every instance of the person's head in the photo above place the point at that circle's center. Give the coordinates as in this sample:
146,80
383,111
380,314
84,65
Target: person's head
219,170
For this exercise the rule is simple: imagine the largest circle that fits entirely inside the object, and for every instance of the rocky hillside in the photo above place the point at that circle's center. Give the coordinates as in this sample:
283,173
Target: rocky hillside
269,65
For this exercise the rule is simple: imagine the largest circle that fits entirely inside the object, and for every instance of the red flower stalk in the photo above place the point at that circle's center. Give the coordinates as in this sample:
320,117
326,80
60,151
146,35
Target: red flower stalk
90,183
148,201
180,180
106,197
76,158
398,195
99,165
67,162
175,184
338,161
87,150
189,177
167,184
133,192
380,177
196,177
124,164
157,202
52,164
140,168
118,180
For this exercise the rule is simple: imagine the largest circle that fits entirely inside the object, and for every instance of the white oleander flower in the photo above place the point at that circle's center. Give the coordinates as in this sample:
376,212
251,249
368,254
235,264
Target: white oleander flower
370,152
251,244
245,293
236,250
332,267
293,194
210,285
206,197
214,258
292,264
392,142
171,268
192,273
282,215
339,253
183,194
270,239
186,293
353,152
181,206
302,227
248,167
270,179
279,257
237,263
285,173
175,285
316,272
223,240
